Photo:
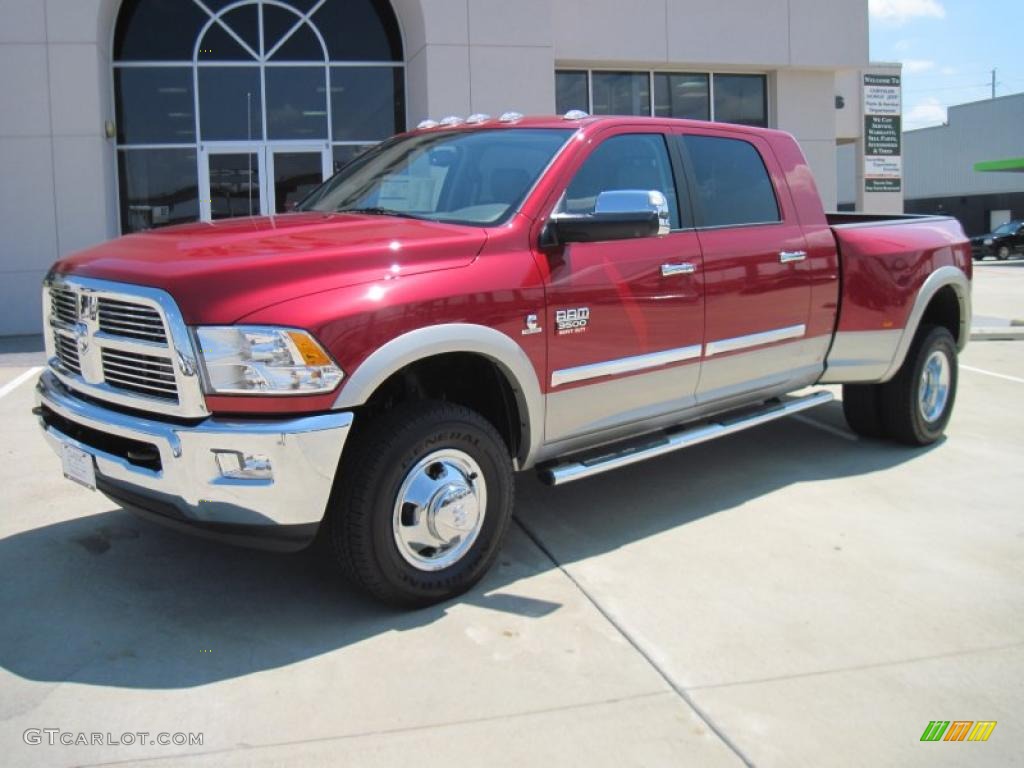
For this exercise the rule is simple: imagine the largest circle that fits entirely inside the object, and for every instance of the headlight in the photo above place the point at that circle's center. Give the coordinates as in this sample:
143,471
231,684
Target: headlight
246,360
989,241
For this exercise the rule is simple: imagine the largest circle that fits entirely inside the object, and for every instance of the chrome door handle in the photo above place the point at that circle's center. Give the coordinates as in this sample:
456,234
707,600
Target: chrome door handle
670,270
787,256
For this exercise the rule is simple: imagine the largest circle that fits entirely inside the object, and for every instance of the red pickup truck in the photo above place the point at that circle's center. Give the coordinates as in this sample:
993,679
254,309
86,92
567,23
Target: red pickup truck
476,298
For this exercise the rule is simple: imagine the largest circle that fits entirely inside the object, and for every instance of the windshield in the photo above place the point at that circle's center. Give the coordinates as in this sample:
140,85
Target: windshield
1007,229
464,177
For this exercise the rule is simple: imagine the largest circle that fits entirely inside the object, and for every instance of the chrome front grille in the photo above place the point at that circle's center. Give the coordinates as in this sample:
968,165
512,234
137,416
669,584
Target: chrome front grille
124,344
67,353
147,375
64,305
132,320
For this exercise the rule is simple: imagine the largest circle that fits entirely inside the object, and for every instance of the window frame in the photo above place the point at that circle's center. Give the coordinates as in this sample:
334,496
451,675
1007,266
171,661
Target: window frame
680,173
783,202
764,102
262,63
710,74
587,83
710,97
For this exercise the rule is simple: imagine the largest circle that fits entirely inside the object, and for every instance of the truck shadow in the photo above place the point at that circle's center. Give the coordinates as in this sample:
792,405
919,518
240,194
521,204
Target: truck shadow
113,600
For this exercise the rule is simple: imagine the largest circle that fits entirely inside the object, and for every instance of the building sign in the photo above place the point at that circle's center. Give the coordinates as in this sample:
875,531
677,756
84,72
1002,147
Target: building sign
882,185
883,95
882,136
883,144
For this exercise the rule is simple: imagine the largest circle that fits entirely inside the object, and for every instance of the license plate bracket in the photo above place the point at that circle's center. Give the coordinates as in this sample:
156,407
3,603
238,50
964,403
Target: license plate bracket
78,465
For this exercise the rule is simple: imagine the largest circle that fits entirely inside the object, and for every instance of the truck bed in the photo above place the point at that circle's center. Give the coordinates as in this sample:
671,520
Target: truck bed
846,220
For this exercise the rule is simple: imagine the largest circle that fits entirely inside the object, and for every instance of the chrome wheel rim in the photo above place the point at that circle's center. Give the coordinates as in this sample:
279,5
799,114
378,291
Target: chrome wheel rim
933,392
439,510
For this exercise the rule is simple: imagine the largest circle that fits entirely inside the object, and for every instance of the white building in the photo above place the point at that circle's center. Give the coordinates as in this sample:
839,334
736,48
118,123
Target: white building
118,115
972,167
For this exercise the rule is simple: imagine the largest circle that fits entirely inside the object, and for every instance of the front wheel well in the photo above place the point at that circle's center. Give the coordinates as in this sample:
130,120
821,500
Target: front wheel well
463,378
944,310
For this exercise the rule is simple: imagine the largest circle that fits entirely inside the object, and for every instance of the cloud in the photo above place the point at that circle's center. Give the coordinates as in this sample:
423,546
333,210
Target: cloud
901,11
928,111
948,70
916,66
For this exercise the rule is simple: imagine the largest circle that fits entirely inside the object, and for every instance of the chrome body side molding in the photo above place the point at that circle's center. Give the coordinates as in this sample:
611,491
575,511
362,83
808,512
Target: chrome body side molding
754,340
605,408
624,365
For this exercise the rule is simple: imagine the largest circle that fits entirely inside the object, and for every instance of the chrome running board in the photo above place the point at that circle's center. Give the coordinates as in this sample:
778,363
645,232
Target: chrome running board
667,441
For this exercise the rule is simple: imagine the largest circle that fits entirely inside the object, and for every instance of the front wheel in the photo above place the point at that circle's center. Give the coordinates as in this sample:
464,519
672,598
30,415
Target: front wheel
1004,253
422,503
917,403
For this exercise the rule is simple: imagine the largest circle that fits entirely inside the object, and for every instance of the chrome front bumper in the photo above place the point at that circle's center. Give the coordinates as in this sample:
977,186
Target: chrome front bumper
188,483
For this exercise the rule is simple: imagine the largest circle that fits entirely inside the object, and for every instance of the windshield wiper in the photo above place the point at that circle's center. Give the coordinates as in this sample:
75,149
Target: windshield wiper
378,211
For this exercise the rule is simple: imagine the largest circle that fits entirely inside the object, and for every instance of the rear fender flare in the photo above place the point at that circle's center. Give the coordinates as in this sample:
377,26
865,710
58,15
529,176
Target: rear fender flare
939,279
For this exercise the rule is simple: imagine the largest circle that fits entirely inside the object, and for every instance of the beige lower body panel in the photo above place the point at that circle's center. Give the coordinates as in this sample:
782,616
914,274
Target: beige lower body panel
612,410
861,356
607,404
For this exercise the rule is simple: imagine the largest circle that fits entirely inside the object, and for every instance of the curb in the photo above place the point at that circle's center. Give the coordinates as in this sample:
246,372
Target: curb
1004,333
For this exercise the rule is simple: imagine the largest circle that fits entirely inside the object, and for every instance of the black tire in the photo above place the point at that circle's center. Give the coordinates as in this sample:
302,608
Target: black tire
862,409
360,515
1004,253
902,417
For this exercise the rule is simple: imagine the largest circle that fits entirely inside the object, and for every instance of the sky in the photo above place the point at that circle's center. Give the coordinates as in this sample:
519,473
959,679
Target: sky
949,49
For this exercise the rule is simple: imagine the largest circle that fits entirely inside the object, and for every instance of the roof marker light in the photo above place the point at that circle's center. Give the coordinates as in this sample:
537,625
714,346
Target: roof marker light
476,118
427,124
452,120
510,117
575,114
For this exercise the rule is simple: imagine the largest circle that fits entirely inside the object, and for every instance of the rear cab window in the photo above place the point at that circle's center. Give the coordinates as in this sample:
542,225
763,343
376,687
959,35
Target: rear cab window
731,186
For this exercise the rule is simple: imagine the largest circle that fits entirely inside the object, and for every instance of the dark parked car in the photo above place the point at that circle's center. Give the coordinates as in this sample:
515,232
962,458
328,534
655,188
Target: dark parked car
1002,243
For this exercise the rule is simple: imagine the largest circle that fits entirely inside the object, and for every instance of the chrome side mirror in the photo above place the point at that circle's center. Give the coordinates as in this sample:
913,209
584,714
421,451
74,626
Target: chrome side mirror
638,201
623,214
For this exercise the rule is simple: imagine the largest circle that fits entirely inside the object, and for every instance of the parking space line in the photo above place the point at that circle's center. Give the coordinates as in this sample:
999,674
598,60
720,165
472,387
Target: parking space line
991,373
10,386
633,641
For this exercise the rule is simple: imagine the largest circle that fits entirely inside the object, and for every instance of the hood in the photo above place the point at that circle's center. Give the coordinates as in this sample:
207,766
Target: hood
220,271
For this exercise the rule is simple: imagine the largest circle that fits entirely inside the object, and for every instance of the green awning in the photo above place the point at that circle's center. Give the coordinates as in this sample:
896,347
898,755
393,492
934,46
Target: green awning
1014,165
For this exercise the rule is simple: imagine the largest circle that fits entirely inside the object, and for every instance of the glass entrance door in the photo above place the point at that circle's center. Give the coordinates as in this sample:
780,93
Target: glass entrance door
258,179
296,171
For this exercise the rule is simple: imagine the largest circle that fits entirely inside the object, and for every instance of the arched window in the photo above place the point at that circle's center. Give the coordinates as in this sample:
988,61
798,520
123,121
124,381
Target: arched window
239,107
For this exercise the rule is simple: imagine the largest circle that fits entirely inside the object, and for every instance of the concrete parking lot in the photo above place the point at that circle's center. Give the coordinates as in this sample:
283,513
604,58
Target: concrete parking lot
789,596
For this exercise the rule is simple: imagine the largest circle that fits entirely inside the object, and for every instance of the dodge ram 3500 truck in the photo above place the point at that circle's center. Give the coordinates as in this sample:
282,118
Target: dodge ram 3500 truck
477,298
